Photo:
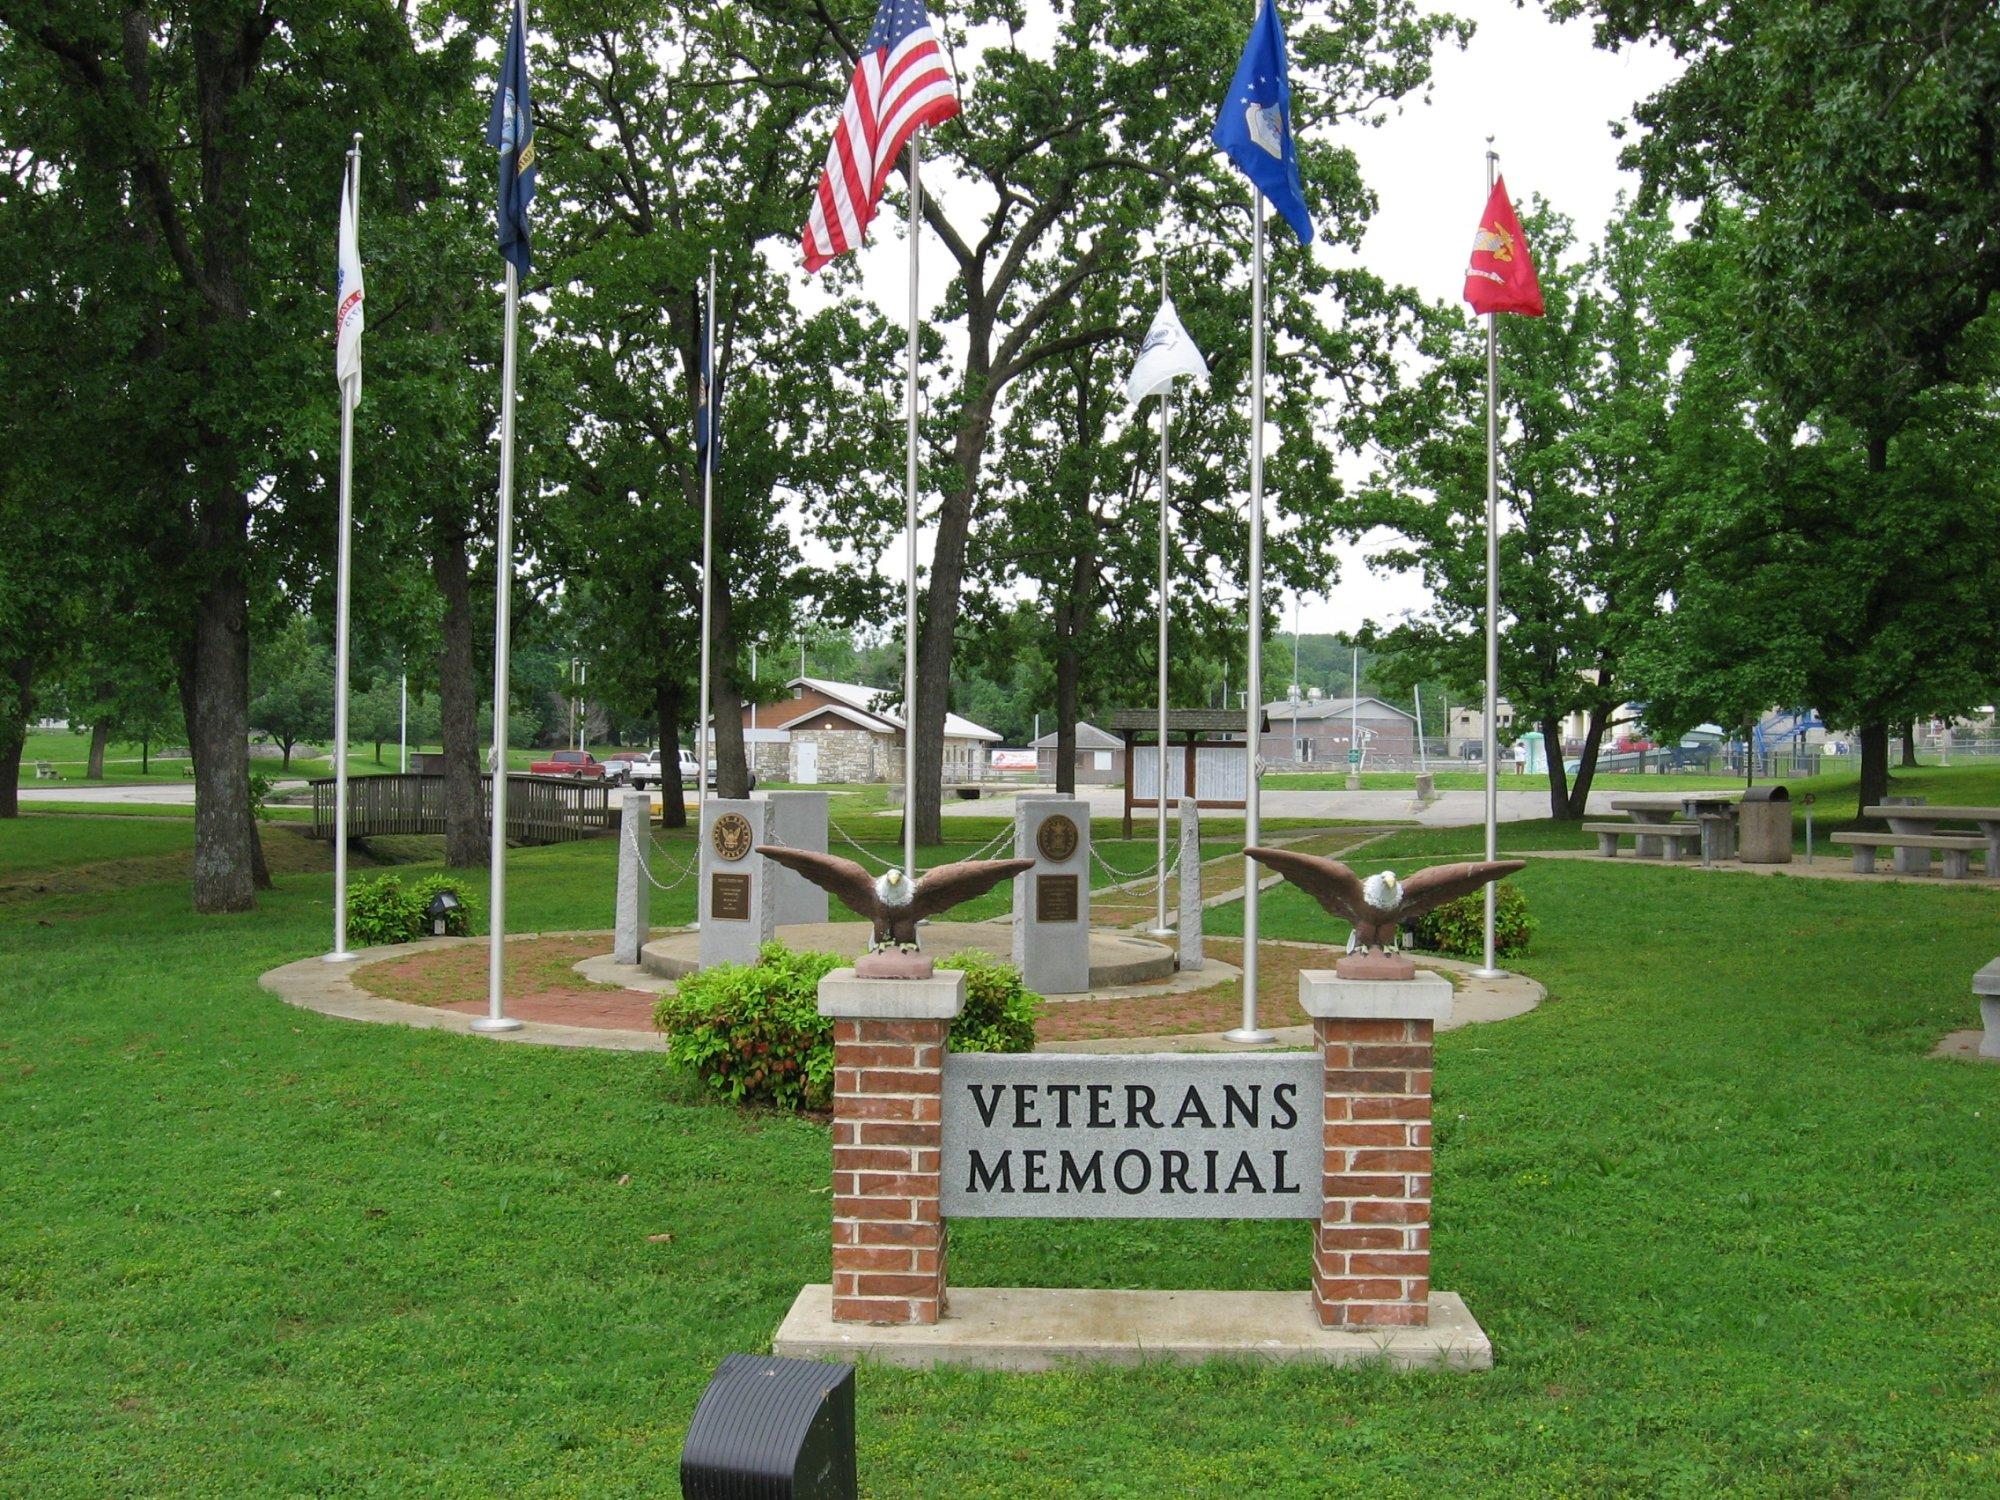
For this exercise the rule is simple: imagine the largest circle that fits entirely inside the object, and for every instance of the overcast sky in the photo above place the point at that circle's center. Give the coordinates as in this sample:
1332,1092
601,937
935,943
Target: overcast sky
1546,95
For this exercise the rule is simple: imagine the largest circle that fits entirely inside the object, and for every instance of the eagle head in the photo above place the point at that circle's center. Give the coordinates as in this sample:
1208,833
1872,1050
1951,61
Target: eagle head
1383,892
893,889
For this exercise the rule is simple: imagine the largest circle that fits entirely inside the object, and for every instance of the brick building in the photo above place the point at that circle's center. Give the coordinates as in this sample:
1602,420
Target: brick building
837,731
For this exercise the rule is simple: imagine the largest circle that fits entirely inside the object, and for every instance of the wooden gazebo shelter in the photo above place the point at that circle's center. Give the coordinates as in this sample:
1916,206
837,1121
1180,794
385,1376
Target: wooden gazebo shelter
1209,737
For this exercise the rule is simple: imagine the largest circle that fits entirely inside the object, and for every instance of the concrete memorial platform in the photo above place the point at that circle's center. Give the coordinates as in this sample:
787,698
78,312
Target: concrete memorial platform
1116,959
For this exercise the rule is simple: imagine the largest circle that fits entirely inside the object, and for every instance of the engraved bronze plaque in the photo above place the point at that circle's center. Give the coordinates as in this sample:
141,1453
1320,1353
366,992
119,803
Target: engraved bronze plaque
1055,898
729,897
1056,838
730,836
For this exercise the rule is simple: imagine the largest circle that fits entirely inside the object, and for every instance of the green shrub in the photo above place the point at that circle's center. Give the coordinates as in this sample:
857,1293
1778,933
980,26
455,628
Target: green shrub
384,910
999,1015
754,1034
1458,928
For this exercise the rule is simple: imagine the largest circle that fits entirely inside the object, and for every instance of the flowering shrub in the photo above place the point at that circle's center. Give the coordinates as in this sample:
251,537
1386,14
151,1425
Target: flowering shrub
754,1034
1458,928
384,910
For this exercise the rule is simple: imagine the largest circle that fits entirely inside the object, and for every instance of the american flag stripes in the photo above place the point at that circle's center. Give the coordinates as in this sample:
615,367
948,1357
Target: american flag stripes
900,83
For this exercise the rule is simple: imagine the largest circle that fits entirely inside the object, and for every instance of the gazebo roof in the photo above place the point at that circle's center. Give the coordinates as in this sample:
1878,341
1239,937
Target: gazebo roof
1185,720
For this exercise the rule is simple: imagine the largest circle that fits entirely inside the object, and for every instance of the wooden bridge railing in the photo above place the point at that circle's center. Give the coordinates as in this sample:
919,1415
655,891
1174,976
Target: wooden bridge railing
540,809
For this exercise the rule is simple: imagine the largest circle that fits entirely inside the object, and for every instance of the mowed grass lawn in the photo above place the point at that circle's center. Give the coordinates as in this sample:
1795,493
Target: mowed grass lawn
1728,1226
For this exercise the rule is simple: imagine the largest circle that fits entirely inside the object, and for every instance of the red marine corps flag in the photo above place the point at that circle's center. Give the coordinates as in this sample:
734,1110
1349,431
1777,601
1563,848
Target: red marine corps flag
1501,278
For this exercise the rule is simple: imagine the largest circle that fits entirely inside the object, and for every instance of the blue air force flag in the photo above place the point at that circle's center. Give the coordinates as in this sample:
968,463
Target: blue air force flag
1167,354
1254,129
511,131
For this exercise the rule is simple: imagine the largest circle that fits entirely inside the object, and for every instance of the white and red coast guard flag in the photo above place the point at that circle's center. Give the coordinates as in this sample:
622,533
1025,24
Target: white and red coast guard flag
900,83
347,293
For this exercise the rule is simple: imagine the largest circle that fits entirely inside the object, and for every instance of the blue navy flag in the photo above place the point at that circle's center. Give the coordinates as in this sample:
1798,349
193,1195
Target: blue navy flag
1254,129
705,402
511,131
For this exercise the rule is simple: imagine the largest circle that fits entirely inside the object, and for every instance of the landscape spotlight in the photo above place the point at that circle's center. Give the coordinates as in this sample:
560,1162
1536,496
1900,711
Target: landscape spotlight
443,904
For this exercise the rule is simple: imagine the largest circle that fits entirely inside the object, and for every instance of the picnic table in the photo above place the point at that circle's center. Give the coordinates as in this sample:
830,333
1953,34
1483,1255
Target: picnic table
1923,820
1714,811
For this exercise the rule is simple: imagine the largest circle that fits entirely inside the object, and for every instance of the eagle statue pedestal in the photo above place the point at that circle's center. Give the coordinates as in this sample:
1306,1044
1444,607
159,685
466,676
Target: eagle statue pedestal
893,963
889,1042
1372,1249
1370,963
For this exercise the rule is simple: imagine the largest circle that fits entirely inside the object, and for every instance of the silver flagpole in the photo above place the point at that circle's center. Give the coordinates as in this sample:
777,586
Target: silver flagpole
403,729
910,538
496,1018
1160,777
348,393
1249,1031
1488,970
707,541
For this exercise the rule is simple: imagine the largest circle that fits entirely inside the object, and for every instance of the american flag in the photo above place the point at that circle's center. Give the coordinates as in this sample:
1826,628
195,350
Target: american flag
900,83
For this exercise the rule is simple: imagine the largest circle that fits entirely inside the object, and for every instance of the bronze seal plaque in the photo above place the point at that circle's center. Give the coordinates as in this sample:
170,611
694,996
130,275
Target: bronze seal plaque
729,897
1056,839
730,836
1056,898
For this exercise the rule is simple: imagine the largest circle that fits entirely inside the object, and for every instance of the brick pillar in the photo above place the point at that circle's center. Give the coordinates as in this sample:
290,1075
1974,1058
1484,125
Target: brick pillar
1372,1254
888,1089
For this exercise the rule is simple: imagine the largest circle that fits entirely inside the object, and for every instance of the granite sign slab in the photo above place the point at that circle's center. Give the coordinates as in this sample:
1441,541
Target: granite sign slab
1132,1136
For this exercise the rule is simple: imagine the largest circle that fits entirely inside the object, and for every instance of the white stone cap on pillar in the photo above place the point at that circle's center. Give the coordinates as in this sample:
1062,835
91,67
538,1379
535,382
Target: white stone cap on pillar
1987,980
1325,996
845,995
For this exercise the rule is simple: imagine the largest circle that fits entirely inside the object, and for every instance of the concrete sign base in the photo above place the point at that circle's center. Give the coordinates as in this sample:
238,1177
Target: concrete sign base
1023,1329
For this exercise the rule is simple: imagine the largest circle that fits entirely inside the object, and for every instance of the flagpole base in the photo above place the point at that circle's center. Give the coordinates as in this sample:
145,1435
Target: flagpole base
1159,932
496,1023
342,956
1489,973
1248,1036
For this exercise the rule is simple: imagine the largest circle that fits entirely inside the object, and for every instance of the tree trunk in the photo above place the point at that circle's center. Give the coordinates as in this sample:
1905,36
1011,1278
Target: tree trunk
466,846
284,755
1069,668
1909,744
145,754
940,620
100,734
14,734
732,773
673,791
216,696
1569,800
1874,764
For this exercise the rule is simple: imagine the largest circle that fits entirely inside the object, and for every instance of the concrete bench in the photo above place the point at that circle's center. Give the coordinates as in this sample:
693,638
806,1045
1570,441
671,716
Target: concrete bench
1670,839
45,770
1956,850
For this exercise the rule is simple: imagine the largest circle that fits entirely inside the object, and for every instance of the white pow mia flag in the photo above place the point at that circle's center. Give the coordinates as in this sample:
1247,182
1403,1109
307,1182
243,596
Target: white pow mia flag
1168,352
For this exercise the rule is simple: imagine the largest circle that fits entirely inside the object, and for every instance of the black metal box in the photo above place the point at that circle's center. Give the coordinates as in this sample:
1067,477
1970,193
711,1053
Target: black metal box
772,1429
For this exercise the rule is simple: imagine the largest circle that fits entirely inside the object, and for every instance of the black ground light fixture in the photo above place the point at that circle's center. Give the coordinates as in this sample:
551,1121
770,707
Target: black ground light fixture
772,1429
439,912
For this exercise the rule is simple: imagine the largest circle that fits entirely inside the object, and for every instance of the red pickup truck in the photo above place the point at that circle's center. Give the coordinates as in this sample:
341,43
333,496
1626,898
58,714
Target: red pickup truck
578,765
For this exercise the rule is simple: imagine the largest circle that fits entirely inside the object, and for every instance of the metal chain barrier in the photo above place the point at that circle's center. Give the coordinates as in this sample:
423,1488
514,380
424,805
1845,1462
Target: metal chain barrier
646,864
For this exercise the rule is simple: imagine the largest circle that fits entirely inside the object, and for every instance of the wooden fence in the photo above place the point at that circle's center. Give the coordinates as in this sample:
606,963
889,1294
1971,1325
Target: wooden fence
540,809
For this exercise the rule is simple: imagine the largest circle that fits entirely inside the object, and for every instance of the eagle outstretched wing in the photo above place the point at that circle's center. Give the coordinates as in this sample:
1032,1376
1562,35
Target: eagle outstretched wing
1327,881
1442,883
831,873
941,889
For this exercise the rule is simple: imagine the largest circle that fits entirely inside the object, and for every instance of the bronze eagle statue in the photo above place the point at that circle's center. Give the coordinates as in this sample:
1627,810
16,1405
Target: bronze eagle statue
894,904
1378,905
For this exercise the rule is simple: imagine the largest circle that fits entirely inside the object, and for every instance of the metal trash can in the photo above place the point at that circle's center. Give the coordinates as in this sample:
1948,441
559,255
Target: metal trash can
772,1429
1764,826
